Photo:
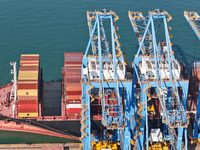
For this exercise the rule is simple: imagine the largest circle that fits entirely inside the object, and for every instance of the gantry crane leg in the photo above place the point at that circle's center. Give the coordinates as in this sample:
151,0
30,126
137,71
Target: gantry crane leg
196,134
127,103
184,101
85,119
141,120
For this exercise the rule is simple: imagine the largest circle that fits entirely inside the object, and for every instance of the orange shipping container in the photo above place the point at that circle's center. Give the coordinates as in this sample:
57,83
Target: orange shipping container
73,87
27,86
27,110
25,101
73,97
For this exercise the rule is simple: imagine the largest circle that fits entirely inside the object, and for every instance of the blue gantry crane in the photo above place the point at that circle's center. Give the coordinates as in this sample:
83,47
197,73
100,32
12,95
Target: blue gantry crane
194,21
158,76
104,74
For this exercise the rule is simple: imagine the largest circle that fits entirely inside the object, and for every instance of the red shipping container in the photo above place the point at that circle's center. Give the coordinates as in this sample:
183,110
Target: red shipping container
69,67
74,55
27,86
73,115
27,106
73,92
73,76
29,68
73,61
73,71
28,111
78,77
73,110
29,58
76,80
27,102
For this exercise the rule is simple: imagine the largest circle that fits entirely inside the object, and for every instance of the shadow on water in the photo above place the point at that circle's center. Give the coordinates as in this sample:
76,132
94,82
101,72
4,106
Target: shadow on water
179,53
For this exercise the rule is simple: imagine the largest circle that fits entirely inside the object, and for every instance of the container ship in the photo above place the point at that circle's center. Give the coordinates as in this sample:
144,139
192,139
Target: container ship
53,106
46,105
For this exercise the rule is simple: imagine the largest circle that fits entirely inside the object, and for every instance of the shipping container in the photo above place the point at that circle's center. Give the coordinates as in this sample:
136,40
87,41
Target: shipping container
74,80
28,110
26,101
27,82
74,87
73,71
76,66
27,106
25,115
27,92
29,68
72,67
27,57
73,115
80,55
73,61
73,106
73,97
74,77
27,86
28,75
73,101
73,92
73,58
29,62
73,110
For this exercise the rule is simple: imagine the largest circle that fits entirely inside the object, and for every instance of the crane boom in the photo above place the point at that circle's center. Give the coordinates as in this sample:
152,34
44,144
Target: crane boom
193,19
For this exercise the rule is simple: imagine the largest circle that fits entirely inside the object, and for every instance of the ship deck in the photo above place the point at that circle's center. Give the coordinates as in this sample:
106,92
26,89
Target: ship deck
6,107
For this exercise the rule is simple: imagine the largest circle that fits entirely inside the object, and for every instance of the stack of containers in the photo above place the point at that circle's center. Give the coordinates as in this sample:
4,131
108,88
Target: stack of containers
72,75
27,87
